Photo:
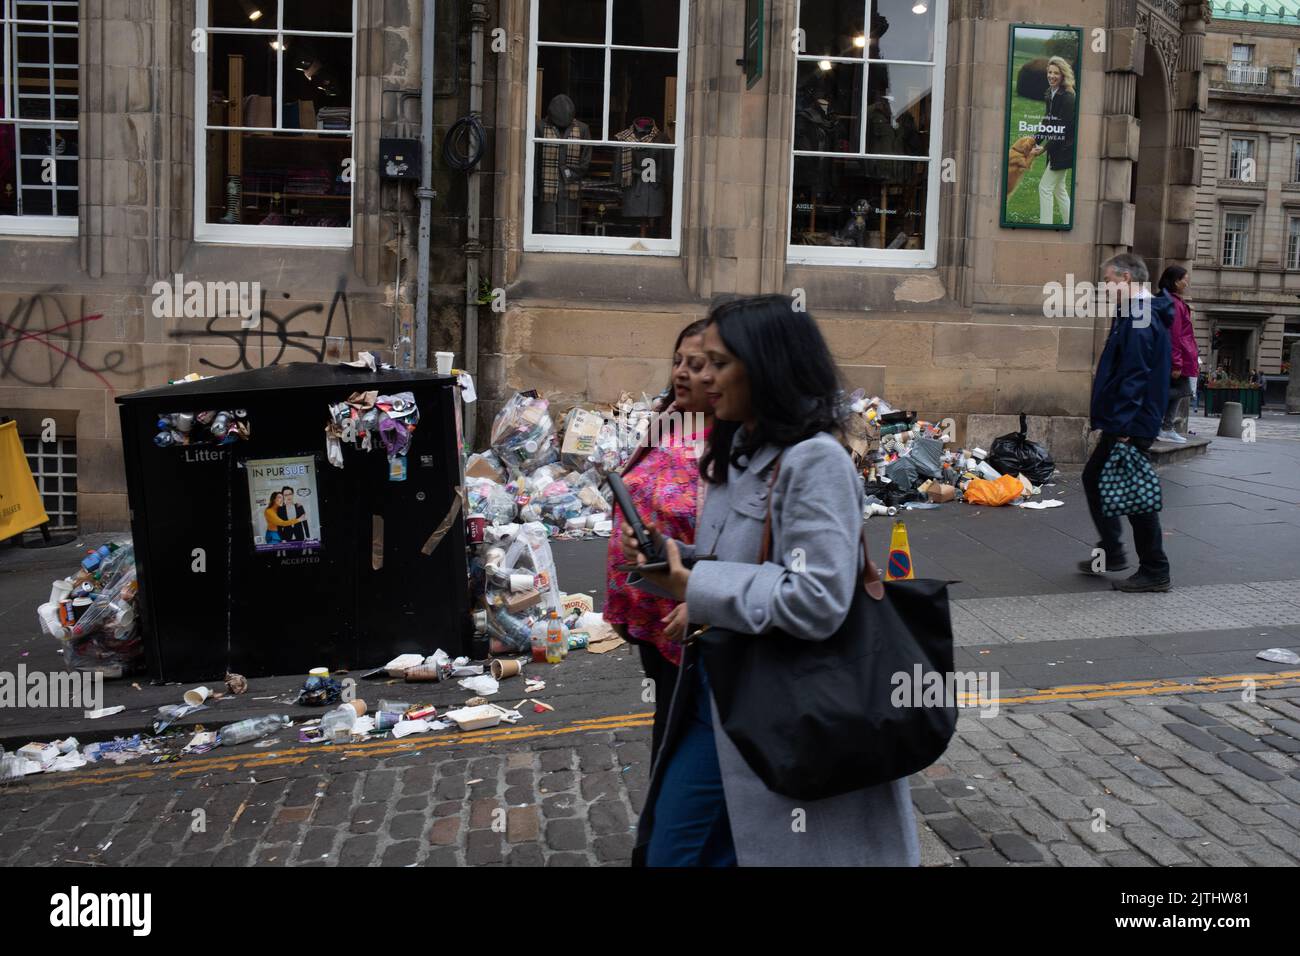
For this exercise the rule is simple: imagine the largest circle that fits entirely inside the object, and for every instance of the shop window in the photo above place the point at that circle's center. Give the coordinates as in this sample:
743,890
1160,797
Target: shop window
1293,243
1239,151
1236,238
604,165
868,108
274,90
39,142
54,466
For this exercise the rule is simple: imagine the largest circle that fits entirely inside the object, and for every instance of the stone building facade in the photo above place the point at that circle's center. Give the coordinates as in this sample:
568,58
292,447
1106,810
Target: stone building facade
1246,277
599,257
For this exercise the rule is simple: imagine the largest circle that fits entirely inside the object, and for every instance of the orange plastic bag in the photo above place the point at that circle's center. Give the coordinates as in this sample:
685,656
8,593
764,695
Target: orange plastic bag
1005,490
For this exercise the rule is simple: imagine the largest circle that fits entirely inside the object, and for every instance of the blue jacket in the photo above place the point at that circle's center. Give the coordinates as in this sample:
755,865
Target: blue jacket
1131,389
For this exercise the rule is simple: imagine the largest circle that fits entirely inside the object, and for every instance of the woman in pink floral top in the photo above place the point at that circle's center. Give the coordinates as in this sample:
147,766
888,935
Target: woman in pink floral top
663,477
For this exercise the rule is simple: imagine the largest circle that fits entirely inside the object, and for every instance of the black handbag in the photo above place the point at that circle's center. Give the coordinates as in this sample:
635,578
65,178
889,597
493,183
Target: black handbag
816,719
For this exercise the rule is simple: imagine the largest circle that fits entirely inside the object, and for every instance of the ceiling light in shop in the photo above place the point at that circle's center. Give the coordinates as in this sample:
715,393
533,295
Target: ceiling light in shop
859,41
824,65
254,13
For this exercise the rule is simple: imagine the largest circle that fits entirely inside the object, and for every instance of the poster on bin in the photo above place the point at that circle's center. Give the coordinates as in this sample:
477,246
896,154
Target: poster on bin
1043,81
282,497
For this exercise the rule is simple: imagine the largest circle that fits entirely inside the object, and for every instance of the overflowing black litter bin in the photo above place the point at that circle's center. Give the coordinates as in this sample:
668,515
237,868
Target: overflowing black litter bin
256,554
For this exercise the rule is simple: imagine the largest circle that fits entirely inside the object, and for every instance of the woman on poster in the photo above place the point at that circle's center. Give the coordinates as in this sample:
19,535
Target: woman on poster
274,523
1057,140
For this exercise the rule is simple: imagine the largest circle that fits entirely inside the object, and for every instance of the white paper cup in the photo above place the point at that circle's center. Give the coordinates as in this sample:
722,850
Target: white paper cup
444,360
197,696
59,591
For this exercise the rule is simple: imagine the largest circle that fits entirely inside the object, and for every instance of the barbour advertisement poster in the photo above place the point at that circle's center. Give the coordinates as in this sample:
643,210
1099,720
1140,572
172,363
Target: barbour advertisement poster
1042,120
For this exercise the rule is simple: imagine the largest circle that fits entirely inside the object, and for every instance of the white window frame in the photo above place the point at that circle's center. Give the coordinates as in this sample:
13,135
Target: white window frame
1293,241
1249,58
32,224
243,233
1251,145
928,257
605,245
1295,160
1243,245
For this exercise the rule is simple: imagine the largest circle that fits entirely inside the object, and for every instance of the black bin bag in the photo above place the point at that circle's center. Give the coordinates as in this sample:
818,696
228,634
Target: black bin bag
1015,454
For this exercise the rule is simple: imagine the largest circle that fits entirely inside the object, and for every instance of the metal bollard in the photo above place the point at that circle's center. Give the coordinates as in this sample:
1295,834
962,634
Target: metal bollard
1230,420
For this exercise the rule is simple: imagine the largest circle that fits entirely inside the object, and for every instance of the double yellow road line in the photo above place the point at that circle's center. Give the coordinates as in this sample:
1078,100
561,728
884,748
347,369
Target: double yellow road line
254,760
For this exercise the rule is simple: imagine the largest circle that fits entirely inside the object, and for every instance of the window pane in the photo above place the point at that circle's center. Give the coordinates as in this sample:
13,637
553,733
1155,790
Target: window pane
898,32
898,109
278,179
614,192
859,203
827,107
334,16
8,170
571,21
578,74
646,22
241,84
833,27
37,201
246,14
642,87
67,201
317,76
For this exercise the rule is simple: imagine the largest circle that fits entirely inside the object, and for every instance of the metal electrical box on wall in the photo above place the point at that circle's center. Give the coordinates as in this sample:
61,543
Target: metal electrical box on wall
399,159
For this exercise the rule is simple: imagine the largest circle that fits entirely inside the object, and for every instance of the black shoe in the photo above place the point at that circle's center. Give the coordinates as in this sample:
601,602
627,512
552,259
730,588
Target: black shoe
1112,564
1142,582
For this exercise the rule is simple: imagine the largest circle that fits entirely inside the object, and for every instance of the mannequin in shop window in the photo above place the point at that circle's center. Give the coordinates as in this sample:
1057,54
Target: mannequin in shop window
557,190
644,185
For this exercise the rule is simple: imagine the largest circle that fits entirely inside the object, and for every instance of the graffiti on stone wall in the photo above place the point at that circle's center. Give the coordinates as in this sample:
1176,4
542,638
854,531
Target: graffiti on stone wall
40,341
279,338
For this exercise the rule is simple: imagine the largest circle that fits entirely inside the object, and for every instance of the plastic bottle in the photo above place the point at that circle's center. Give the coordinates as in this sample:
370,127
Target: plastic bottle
537,641
557,645
337,724
253,728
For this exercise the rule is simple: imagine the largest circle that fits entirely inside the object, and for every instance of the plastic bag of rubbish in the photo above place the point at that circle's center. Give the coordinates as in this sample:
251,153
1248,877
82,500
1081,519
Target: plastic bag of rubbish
491,500
902,473
927,456
1015,454
1005,490
523,435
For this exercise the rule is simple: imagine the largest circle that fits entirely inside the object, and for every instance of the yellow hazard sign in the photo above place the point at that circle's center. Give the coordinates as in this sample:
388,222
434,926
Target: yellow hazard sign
20,502
899,566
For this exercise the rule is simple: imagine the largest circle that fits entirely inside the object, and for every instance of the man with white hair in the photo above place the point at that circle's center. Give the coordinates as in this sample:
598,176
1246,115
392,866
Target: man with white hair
1129,397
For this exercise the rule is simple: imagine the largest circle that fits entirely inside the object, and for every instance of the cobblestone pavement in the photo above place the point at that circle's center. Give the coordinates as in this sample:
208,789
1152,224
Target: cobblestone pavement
1170,780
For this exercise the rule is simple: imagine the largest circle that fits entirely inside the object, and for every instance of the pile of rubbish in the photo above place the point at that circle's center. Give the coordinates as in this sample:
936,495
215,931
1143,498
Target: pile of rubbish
905,464
369,421
536,473
202,428
92,613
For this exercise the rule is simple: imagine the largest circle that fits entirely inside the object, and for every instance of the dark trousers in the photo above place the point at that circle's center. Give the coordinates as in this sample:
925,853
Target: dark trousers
664,674
691,826
1179,388
1146,528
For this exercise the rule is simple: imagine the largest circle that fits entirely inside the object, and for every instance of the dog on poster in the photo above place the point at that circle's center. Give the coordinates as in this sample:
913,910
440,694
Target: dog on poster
1019,158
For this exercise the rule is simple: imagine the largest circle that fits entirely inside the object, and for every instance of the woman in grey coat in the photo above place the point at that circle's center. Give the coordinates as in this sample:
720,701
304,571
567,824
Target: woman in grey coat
774,389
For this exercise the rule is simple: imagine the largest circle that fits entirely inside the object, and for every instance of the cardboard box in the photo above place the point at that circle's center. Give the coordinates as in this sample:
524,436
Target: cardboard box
523,600
941,493
580,437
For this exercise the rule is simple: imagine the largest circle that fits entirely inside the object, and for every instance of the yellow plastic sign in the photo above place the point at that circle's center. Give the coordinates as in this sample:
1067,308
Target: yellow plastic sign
899,566
20,502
